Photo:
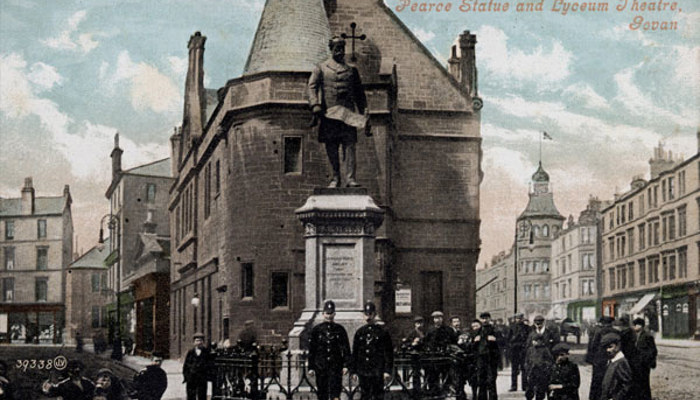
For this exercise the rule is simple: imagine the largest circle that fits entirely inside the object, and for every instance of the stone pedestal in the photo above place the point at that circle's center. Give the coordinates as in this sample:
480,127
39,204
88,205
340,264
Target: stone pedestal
339,227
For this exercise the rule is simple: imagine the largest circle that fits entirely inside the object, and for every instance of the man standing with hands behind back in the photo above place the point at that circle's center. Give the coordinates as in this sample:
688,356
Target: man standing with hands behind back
329,354
195,370
373,356
335,93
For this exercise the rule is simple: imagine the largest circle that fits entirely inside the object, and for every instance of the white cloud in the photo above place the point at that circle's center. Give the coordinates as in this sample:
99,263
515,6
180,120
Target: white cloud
178,65
587,95
44,76
687,67
149,89
638,102
423,35
512,163
83,145
70,39
490,131
541,66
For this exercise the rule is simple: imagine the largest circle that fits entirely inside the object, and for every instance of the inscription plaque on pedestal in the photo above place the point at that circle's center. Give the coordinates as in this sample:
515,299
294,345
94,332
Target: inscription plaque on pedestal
341,274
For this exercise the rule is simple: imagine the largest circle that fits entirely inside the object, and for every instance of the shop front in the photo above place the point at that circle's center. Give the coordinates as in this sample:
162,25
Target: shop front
32,323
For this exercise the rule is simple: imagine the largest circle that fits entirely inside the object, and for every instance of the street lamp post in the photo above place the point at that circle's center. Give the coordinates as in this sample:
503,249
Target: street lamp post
117,345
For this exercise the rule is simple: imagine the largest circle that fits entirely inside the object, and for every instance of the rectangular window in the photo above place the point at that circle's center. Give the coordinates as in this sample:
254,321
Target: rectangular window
622,214
41,228
630,211
642,272
630,274
683,262
279,290
612,278
656,195
292,155
664,268
656,226
622,276
630,241
95,316
247,280
663,190
8,289
671,227
151,193
9,258
207,191
9,230
42,258
96,282
671,189
641,205
672,267
681,183
682,222
217,177
642,236
41,289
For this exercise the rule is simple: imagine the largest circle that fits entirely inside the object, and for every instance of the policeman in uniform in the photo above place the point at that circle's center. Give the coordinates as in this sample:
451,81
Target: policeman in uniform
338,102
373,356
329,354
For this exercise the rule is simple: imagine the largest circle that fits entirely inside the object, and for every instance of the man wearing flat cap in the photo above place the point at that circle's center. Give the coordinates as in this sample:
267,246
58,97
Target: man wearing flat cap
329,354
643,359
437,340
565,378
617,381
518,341
415,338
338,103
372,356
196,369
597,357
488,358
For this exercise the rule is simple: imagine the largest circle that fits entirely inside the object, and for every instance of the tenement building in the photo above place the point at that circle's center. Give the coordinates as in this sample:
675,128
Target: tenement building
651,240
36,239
245,158
139,258
573,265
87,296
494,286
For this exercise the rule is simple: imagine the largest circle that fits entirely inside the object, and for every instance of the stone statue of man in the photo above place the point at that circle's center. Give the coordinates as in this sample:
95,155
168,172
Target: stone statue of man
338,103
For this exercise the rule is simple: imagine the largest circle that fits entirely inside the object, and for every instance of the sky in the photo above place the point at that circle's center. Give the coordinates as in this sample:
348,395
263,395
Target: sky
75,72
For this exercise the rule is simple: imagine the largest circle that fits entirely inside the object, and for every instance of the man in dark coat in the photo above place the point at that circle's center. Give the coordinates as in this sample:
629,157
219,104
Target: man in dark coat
471,349
643,359
151,382
329,354
416,336
565,378
7,390
488,359
248,337
75,387
538,366
617,381
517,343
338,102
550,334
597,356
372,356
437,340
623,328
196,369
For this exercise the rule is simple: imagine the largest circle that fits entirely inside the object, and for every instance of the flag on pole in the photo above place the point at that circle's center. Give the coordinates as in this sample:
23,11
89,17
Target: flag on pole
546,136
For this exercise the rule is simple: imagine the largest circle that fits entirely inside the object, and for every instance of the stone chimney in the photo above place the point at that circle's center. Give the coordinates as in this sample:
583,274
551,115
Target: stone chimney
661,161
195,99
453,64
638,182
116,158
467,63
28,197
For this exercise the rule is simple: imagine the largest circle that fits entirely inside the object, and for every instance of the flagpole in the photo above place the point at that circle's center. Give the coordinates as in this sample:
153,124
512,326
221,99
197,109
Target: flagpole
540,148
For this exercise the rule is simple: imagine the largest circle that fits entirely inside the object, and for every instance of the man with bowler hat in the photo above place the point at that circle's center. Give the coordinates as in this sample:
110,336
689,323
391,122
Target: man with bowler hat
329,354
195,370
372,356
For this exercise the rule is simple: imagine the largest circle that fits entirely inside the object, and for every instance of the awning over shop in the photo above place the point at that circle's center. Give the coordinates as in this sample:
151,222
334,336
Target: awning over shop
642,303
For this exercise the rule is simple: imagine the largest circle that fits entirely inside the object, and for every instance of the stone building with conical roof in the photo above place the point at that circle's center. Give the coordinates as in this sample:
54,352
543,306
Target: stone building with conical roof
537,225
246,158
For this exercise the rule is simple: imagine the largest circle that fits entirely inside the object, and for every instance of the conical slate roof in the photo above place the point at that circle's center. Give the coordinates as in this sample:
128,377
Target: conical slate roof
292,36
541,204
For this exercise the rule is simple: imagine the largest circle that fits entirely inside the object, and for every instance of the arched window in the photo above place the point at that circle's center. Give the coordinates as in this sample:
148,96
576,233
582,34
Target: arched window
545,230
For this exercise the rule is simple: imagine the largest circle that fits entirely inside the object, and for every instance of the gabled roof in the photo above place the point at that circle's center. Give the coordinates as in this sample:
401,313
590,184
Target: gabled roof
93,258
42,206
292,36
156,168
